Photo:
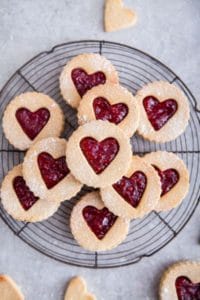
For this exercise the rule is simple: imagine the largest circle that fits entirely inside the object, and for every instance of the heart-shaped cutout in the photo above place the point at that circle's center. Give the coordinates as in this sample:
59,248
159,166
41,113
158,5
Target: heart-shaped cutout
24,194
168,178
52,170
77,290
32,122
117,16
99,154
186,289
132,189
99,221
9,289
105,111
159,113
84,82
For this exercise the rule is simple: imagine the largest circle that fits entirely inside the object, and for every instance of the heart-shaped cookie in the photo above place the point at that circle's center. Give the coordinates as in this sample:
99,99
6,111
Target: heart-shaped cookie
117,16
99,154
32,122
9,290
52,170
77,290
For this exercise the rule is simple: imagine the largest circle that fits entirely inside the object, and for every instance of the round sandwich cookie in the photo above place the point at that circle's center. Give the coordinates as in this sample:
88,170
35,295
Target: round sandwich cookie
31,117
94,227
46,172
113,103
164,111
174,178
84,72
181,281
20,202
98,153
136,193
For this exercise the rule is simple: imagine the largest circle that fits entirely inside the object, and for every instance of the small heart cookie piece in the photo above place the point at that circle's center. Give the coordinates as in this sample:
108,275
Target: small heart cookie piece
77,290
117,16
9,290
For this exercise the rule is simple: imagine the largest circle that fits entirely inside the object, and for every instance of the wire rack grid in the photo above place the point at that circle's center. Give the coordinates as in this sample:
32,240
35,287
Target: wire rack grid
147,235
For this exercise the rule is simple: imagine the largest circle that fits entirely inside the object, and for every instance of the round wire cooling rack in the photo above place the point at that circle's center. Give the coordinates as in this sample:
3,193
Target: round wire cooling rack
147,235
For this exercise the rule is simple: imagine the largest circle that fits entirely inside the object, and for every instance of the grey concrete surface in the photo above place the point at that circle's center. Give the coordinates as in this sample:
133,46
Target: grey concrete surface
168,30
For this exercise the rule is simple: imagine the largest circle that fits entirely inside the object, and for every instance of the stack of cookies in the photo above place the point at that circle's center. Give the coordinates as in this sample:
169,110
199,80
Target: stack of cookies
98,154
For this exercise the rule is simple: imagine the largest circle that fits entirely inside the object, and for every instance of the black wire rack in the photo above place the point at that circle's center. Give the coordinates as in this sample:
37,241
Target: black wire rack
147,235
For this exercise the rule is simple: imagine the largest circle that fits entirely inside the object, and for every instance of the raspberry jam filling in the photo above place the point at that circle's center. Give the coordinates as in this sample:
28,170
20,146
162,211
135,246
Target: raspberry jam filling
105,111
132,188
32,122
186,290
99,221
84,82
25,196
99,154
159,112
52,170
168,179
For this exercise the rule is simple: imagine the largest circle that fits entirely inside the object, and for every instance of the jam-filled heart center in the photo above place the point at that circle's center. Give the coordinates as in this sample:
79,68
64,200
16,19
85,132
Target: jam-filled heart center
32,122
105,111
159,113
25,196
84,82
52,170
99,154
186,289
99,221
168,178
132,189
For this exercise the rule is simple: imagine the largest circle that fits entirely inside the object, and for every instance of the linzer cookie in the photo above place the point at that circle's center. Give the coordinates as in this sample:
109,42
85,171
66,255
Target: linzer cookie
98,153
31,117
181,282
95,227
174,178
84,72
46,171
136,193
164,111
20,202
113,103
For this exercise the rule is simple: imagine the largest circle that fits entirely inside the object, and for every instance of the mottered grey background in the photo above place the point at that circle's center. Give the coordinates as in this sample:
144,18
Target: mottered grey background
168,30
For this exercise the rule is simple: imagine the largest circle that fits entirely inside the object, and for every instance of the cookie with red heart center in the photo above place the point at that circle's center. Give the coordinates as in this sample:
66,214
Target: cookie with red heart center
113,103
46,171
31,117
134,194
94,226
174,178
164,111
98,153
83,73
181,281
20,202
